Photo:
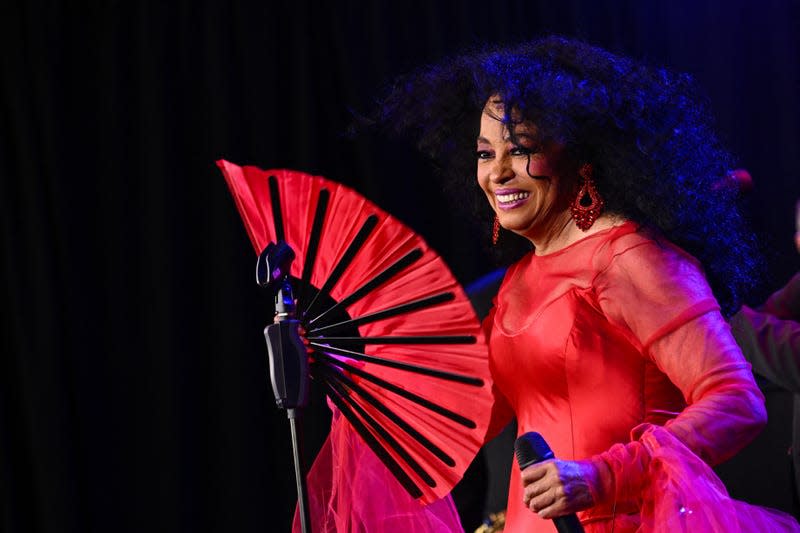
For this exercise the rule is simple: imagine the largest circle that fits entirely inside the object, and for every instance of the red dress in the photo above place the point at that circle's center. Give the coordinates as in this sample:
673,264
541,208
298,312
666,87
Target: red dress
614,350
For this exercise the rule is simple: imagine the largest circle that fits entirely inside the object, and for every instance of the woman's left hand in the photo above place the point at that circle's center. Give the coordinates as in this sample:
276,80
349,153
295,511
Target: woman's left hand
556,488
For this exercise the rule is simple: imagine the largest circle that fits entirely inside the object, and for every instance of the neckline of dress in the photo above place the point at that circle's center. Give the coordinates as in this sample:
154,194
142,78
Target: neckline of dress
625,225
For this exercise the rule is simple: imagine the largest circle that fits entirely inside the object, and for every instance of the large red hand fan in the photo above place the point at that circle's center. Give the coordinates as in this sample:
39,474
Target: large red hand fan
373,292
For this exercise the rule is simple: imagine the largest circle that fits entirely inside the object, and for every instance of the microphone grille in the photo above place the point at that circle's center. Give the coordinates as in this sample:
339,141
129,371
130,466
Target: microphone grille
531,448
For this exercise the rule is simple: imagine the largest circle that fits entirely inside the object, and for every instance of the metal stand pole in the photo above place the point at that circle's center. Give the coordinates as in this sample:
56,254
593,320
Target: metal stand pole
300,478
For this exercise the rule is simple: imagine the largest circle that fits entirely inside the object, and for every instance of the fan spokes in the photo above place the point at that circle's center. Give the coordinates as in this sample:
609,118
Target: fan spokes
358,242
313,241
388,413
339,399
400,339
277,217
339,382
408,395
401,309
409,367
397,267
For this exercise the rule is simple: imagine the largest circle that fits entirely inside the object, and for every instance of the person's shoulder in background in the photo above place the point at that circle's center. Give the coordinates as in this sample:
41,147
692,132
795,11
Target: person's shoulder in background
785,302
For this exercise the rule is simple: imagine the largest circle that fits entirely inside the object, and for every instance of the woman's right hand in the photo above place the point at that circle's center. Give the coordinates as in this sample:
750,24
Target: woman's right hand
556,488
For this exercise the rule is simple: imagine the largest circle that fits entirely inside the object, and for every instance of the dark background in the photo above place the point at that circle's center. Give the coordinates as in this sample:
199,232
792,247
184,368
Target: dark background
133,393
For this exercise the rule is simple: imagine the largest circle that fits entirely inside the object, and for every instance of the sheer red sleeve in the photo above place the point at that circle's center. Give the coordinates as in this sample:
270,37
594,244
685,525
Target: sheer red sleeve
659,296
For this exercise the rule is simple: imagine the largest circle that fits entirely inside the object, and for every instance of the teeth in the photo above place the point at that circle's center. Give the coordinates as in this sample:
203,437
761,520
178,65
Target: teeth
505,198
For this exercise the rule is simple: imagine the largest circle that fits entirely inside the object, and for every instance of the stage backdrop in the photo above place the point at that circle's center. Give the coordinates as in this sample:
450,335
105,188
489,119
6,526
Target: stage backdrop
133,387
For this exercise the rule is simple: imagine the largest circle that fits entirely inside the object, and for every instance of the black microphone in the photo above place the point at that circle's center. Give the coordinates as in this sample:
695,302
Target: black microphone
288,359
530,449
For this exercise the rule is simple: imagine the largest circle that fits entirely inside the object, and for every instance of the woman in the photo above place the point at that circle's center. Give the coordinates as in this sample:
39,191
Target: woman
606,337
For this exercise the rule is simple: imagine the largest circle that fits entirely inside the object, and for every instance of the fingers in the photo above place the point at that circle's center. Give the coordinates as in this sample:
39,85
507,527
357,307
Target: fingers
549,502
546,502
536,472
553,510
539,481
555,488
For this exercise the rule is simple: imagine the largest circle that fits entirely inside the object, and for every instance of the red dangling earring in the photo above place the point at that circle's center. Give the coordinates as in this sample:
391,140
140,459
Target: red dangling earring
588,204
495,230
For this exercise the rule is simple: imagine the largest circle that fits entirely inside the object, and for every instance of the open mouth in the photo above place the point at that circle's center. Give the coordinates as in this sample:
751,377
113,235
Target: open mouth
511,199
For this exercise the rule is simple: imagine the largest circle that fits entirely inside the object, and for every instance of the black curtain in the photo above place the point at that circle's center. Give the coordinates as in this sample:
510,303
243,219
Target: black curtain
133,387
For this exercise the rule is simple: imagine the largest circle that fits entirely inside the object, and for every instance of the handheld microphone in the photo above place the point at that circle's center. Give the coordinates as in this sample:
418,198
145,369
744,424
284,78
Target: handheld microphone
530,449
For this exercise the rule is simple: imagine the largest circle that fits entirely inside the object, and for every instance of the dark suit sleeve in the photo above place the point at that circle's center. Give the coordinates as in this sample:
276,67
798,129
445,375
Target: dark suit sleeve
771,345
785,303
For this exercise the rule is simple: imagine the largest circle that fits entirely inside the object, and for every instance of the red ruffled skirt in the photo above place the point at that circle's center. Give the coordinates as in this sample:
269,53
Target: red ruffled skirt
351,491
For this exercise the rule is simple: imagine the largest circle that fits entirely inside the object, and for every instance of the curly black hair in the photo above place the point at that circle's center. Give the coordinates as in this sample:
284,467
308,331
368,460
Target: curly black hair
656,158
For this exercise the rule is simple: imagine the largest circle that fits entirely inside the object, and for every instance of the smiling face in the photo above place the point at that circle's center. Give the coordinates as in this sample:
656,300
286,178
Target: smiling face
522,178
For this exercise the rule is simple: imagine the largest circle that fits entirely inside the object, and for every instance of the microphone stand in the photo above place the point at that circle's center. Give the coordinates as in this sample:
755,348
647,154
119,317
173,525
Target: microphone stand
299,475
288,362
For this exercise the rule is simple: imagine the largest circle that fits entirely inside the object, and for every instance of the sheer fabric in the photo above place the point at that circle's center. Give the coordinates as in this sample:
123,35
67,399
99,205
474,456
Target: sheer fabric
351,491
